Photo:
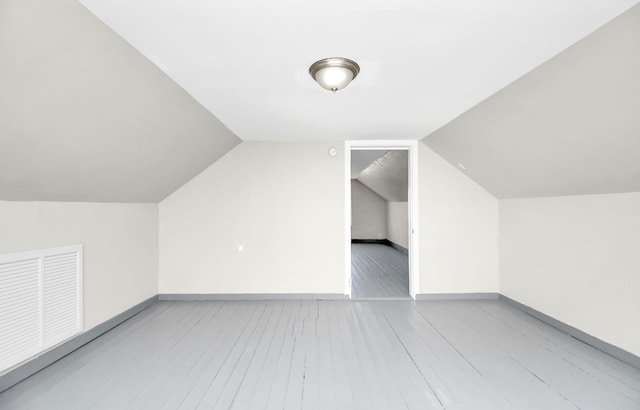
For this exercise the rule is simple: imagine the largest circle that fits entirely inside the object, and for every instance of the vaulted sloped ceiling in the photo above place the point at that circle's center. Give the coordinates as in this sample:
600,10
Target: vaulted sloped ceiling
361,159
86,117
423,62
387,174
571,126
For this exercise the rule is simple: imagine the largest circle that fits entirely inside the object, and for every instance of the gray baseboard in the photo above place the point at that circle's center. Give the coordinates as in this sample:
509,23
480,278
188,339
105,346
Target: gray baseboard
458,296
251,296
620,354
22,371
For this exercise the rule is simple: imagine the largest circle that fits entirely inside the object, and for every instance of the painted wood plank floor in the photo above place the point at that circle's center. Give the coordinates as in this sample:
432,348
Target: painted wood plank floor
332,355
378,272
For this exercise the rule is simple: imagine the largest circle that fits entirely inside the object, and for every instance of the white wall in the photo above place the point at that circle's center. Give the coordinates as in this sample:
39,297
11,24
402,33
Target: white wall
120,247
458,230
398,223
267,217
368,213
577,259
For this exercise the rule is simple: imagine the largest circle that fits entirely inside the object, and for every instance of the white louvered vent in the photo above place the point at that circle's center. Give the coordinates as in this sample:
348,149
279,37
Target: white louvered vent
60,299
20,310
40,301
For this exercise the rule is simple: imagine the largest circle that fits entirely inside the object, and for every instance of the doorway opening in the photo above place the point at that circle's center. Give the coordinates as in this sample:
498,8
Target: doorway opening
381,219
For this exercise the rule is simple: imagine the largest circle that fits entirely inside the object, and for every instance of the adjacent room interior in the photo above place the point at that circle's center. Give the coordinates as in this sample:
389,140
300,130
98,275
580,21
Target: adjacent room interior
181,184
379,224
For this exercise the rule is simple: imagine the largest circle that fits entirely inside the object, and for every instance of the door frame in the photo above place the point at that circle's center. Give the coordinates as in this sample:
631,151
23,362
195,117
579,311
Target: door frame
412,201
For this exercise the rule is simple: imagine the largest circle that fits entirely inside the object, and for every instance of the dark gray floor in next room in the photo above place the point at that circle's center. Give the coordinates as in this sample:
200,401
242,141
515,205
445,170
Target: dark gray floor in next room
332,355
378,272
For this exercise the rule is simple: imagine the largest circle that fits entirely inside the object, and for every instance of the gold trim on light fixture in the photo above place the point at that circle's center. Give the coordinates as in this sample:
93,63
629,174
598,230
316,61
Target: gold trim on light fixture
334,62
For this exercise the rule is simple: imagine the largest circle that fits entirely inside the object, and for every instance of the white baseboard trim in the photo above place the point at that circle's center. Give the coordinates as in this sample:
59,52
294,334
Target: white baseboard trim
620,354
458,296
251,296
19,373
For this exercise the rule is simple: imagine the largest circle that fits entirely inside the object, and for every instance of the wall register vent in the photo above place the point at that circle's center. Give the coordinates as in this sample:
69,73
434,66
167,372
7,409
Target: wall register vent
40,301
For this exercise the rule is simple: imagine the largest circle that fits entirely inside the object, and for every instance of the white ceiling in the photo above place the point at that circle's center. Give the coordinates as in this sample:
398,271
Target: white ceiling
85,117
571,126
423,62
388,176
361,159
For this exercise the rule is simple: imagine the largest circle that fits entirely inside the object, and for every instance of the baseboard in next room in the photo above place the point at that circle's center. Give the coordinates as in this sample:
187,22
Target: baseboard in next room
386,242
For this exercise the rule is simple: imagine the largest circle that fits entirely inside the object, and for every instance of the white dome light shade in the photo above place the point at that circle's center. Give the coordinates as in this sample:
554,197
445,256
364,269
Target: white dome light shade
334,78
334,73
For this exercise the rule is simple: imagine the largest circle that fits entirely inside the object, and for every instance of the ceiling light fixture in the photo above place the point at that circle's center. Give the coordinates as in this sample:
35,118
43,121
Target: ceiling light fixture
334,73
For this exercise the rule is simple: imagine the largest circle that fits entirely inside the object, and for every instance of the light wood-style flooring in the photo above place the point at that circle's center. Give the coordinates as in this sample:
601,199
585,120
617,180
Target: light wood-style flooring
332,355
